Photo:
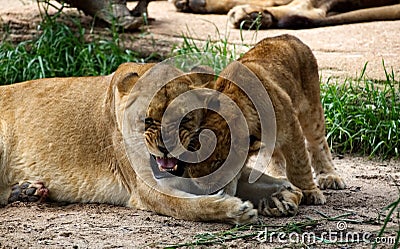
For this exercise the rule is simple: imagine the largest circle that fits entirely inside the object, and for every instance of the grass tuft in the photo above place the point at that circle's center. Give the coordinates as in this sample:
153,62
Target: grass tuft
214,53
393,211
59,51
363,116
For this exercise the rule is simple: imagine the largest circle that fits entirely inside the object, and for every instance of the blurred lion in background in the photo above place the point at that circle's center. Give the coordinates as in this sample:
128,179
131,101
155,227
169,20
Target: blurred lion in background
294,14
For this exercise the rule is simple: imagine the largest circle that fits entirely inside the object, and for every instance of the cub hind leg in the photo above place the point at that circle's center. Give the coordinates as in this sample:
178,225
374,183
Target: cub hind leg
311,117
313,125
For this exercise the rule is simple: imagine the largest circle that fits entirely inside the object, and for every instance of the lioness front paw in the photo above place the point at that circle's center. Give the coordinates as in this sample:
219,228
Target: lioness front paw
330,181
313,197
284,202
28,192
248,17
241,212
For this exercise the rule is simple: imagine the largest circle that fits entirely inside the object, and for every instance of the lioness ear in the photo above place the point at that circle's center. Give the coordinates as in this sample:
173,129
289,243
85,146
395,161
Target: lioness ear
125,84
126,75
212,102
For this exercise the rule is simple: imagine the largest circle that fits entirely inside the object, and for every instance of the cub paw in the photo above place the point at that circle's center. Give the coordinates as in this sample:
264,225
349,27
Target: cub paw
330,181
28,192
241,212
248,17
196,6
284,202
313,197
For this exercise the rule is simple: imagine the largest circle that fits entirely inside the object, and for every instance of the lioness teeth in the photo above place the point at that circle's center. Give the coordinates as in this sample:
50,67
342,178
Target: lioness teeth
168,170
167,164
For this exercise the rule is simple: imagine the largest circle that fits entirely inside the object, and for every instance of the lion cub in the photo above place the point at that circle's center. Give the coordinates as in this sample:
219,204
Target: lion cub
288,71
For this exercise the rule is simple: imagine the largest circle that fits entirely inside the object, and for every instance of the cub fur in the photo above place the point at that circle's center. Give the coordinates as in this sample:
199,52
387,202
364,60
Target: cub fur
289,72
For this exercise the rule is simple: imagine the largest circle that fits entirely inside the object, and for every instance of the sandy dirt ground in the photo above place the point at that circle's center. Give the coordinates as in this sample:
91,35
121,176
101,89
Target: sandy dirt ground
341,51
371,186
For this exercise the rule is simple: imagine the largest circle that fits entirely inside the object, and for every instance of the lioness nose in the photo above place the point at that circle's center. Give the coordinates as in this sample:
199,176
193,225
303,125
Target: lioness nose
167,141
163,149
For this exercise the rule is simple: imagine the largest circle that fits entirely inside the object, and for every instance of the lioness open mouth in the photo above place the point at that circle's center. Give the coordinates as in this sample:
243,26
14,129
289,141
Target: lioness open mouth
169,164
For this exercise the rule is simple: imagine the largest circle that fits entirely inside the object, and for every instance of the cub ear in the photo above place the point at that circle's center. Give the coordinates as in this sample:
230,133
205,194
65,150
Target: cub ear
202,69
203,76
212,102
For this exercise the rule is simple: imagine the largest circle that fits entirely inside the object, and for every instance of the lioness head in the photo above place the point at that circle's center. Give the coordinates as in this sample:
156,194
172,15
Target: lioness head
170,129
169,134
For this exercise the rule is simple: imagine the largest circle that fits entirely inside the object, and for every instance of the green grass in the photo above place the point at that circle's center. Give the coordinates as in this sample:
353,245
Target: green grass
214,53
59,50
363,116
393,210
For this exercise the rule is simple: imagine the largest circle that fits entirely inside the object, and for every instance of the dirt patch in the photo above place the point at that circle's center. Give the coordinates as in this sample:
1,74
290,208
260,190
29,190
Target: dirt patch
371,186
341,51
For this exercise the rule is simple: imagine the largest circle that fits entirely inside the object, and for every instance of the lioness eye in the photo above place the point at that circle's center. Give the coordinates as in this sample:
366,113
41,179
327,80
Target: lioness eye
148,121
185,119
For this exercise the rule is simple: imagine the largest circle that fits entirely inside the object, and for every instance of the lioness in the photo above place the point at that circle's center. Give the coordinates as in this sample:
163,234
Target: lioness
288,70
64,138
295,13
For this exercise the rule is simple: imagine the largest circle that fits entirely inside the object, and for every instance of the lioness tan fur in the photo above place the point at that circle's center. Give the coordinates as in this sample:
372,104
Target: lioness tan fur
289,72
65,133
295,13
